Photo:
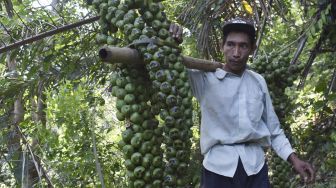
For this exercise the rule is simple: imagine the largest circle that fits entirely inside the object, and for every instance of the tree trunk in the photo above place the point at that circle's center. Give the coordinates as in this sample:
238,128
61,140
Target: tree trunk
41,105
56,6
9,8
38,105
54,3
24,169
14,141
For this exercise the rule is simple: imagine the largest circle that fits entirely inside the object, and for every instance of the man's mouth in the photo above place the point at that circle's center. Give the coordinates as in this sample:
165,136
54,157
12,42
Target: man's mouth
235,62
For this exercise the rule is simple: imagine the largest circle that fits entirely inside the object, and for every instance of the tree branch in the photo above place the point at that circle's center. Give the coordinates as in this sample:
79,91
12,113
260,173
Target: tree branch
47,34
37,163
312,56
298,51
261,33
98,167
327,92
326,50
9,8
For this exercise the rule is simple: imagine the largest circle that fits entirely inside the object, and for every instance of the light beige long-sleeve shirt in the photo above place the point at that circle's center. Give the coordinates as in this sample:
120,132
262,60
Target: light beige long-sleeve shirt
238,120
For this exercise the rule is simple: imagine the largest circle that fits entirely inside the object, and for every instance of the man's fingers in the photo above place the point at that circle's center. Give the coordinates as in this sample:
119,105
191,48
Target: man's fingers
302,173
311,173
307,173
173,28
179,33
305,177
301,170
176,32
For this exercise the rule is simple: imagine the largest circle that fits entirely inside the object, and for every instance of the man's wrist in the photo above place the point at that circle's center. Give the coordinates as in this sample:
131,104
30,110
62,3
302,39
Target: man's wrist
292,157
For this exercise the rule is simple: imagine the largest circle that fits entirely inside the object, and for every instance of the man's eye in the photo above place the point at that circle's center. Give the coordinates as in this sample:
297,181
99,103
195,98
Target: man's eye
229,44
244,46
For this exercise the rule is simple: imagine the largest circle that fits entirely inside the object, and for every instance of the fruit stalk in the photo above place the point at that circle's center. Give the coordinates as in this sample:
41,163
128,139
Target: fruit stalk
111,54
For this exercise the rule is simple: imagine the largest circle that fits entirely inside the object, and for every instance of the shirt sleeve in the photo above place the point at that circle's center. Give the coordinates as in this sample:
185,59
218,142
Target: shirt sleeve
279,141
196,80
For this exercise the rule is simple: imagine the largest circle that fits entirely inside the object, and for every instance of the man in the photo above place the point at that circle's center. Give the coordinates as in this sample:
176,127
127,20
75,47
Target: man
238,119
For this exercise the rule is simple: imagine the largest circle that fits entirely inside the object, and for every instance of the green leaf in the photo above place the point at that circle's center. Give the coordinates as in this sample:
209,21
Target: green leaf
319,105
320,24
313,30
333,136
321,86
328,110
328,8
331,97
324,18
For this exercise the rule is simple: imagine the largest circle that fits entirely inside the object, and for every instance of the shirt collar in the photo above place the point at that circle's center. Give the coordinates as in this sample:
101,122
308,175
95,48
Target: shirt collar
220,74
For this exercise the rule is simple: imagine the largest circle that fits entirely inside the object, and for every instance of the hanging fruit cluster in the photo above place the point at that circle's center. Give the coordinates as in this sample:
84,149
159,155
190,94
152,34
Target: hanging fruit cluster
279,74
143,156
154,100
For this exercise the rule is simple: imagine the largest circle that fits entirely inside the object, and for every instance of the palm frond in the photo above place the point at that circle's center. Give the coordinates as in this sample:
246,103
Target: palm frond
205,18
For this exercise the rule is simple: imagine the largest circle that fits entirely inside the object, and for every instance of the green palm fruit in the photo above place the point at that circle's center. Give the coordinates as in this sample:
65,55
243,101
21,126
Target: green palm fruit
129,98
128,150
129,165
121,93
139,172
146,147
136,158
147,178
157,161
147,160
136,140
126,110
157,25
113,3
120,116
136,118
139,23
139,183
157,173
148,16
161,16
169,179
157,184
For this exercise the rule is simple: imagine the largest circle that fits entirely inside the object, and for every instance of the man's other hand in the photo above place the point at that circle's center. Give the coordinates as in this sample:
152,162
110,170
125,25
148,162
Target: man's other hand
176,32
305,170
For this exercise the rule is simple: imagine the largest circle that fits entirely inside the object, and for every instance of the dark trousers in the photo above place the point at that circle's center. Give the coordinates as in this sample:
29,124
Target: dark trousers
239,180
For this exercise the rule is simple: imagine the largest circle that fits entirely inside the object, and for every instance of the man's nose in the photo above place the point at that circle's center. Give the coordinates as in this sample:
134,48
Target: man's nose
236,52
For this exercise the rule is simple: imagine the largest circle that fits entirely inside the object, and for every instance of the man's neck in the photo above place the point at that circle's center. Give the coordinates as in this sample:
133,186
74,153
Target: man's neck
239,73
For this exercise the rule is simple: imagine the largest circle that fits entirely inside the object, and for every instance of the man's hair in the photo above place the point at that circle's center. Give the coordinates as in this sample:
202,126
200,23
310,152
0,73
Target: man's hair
240,25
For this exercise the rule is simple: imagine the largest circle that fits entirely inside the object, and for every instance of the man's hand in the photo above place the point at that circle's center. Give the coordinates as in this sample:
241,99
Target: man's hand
176,32
305,170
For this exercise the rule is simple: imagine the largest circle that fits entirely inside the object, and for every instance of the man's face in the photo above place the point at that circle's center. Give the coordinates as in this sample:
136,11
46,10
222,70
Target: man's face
237,49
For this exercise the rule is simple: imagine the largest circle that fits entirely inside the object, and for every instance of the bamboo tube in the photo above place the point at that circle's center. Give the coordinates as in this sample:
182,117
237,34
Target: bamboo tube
111,54
201,64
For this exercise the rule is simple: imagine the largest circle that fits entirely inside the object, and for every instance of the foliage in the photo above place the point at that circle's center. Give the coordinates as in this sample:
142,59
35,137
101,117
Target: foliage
67,139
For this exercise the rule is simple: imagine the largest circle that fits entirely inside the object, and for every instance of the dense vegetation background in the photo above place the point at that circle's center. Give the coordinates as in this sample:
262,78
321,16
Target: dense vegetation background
57,118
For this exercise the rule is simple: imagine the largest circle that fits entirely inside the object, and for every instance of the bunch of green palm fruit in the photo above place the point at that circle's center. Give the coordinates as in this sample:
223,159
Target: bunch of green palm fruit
154,100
